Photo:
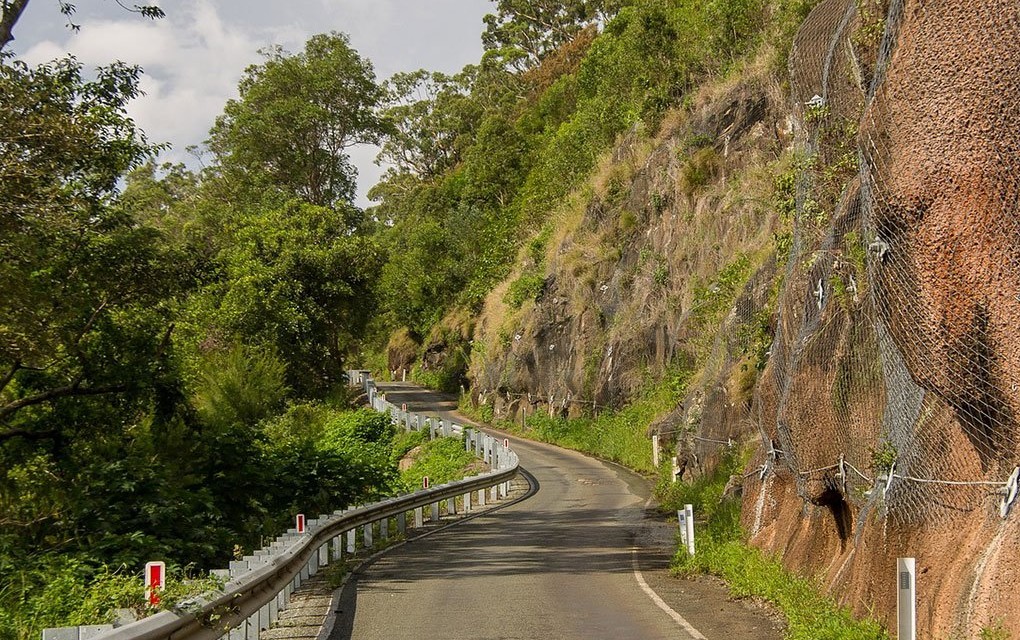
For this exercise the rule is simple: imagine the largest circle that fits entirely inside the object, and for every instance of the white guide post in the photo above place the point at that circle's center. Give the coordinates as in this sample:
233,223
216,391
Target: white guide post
906,599
655,450
681,519
689,520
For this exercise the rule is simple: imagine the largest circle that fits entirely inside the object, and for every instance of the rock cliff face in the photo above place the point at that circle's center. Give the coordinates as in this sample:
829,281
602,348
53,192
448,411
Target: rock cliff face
836,273
914,375
641,267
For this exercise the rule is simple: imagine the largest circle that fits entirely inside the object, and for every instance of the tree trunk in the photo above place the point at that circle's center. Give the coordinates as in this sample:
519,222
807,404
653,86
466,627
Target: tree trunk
11,12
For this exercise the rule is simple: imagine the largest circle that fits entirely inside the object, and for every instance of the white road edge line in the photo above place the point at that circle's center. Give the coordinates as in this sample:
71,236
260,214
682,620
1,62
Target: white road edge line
659,602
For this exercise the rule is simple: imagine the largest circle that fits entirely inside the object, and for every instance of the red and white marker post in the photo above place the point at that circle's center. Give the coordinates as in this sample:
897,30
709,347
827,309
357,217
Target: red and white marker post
155,580
506,443
299,522
424,482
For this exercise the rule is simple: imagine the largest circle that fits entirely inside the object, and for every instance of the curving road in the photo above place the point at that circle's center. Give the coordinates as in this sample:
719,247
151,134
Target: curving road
559,564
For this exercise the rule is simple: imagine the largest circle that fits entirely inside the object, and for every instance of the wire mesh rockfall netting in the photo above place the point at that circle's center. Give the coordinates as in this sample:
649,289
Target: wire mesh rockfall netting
894,377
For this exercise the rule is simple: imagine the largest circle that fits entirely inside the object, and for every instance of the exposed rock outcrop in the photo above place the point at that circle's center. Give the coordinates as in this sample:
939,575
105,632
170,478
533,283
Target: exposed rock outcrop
870,356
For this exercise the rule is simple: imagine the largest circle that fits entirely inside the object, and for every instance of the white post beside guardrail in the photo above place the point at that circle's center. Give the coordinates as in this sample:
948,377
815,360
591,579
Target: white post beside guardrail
906,600
689,520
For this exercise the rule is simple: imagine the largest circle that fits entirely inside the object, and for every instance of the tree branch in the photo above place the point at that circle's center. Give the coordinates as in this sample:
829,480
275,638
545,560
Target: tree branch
29,435
10,375
72,390
11,12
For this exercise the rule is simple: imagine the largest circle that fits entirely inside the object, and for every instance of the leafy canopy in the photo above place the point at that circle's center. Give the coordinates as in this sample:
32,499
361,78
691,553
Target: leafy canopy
297,115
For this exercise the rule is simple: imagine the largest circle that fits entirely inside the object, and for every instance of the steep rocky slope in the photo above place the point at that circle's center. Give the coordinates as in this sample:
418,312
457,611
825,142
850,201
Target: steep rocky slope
830,274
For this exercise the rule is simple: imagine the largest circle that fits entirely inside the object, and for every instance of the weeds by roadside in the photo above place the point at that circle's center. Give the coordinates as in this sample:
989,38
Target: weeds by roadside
721,551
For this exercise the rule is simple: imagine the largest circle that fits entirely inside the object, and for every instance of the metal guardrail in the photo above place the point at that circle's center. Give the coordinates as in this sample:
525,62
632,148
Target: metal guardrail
251,601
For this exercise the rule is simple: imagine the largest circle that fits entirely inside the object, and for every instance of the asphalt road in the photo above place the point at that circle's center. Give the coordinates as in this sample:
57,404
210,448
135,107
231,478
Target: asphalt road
559,564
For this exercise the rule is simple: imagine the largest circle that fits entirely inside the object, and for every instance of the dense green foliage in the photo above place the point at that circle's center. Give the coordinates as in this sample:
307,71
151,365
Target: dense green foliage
296,117
171,352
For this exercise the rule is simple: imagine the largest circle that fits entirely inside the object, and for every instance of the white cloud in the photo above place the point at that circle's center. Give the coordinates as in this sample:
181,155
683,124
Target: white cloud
194,58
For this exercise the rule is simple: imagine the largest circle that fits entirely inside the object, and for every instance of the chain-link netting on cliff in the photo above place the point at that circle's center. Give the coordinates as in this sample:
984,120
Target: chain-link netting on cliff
894,377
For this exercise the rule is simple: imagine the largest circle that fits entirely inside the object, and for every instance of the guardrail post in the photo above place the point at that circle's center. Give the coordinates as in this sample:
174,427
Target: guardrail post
368,535
493,493
238,567
502,490
251,627
281,603
274,609
481,497
435,512
467,502
338,547
324,555
352,543
419,519
451,506
264,617
402,523
468,434
384,529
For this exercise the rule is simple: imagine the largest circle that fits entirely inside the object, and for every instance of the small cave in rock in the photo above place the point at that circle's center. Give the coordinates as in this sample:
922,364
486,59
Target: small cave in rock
832,499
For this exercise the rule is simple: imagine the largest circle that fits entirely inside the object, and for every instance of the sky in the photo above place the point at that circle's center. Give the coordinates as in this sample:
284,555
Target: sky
194,57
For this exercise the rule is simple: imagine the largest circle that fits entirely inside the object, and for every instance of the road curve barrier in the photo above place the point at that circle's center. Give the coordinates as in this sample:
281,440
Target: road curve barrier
259,586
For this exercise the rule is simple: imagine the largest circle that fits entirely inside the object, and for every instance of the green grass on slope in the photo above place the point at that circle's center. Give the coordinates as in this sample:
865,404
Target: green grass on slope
720,550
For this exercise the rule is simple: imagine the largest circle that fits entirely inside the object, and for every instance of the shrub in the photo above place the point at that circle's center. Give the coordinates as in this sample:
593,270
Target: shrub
527,287
442,460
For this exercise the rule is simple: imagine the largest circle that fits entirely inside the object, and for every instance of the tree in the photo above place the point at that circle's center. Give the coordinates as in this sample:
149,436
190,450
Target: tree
297,281
80,282
431,117
11,10
296,117
525,31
